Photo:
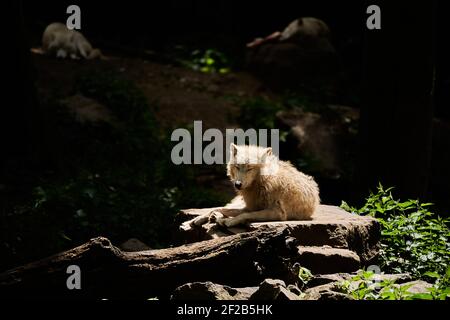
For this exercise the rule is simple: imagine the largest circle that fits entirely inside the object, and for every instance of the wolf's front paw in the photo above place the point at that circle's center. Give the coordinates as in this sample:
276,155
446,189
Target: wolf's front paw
61,53
199,221
215,215
228,222
222,221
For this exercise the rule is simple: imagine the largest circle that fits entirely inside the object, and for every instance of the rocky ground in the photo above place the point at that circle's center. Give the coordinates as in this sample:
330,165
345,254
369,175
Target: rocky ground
321,287
333,245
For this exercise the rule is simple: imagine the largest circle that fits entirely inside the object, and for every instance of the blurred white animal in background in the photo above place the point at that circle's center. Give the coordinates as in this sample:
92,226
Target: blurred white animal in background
61,42
301,29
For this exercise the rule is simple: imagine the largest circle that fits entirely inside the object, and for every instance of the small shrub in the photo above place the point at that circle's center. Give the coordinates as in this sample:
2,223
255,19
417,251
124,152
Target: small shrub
207,61
413,239
305,275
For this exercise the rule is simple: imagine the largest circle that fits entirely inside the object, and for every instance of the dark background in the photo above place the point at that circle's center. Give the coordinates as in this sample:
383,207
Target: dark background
228,25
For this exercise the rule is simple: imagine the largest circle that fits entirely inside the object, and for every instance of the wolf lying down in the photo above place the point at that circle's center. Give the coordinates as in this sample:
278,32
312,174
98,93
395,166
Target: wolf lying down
61,42
271,189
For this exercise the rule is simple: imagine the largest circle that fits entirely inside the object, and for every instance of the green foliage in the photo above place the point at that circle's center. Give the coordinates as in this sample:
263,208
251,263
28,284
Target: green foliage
305,276
413,239
364,287
207,61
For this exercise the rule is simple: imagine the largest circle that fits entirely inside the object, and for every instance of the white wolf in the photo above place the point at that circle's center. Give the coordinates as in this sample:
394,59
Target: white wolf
271,189
61,42
301,29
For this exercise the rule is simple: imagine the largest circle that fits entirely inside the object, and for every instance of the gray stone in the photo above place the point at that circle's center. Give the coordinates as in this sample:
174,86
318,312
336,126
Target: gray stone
336,296
322,279
325,292
329,226
302,53
322,260
211,291
323,137
418,286
271,289
294,289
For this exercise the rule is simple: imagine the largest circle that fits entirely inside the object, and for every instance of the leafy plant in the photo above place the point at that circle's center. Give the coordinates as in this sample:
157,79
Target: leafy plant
304,275
207,61
441,288
364,287
413,239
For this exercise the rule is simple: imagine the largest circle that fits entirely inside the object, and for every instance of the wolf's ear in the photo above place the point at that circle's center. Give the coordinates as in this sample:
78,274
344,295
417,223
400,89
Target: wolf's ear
269,151
233,150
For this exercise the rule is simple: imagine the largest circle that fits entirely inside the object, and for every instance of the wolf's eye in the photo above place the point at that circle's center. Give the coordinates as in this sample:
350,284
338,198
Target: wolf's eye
249,169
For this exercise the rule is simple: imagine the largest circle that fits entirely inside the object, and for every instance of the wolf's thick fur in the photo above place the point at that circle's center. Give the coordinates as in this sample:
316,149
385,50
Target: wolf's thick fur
272,189
61,42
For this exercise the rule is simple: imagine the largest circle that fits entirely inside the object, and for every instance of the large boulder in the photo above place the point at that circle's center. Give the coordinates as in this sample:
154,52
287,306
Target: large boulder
323,137
302,53
330,226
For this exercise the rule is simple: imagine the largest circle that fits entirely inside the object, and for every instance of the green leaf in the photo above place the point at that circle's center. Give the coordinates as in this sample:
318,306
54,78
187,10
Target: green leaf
421,296
413,239
432,274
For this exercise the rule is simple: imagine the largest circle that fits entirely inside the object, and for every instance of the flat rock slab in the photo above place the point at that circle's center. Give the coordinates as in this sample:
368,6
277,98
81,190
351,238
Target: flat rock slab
323,260
330,226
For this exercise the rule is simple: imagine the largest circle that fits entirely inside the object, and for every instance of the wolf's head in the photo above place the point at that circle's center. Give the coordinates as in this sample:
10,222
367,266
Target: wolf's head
248,163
